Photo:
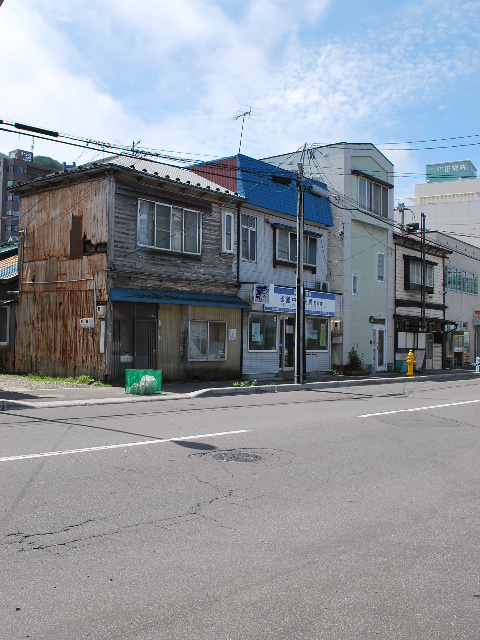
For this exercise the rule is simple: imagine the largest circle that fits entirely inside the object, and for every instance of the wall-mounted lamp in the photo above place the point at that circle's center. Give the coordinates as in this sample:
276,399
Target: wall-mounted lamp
371,319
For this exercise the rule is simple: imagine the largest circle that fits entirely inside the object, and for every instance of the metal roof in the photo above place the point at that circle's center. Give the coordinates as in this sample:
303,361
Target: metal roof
118,294
253,179
255,183
168,171
164,172
9,267
8,247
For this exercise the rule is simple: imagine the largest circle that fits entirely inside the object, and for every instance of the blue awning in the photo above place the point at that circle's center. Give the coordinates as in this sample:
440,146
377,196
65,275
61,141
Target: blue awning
118,294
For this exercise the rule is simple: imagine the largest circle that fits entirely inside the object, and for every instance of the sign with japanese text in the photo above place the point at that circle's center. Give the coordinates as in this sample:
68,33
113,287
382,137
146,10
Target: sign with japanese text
450,171
284,299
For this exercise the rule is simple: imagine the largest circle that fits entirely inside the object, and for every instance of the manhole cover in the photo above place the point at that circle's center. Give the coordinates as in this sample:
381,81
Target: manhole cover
236,456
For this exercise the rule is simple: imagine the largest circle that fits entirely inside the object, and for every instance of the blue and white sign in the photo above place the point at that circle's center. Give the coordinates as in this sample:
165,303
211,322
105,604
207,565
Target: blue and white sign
284,299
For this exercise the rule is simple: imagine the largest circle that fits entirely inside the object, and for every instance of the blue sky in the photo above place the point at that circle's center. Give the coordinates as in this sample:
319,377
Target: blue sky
173,73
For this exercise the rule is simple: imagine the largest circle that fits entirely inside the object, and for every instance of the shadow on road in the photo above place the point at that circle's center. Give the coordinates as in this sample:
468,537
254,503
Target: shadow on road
190,444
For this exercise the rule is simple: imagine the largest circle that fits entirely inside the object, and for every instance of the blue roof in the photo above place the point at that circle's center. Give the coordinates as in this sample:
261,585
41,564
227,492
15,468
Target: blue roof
254,182
118,294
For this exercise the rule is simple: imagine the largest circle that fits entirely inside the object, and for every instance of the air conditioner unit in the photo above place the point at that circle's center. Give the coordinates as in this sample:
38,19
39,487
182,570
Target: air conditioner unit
322,285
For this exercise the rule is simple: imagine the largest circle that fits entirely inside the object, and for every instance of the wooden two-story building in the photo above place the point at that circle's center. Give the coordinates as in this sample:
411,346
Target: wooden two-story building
420,318
125,264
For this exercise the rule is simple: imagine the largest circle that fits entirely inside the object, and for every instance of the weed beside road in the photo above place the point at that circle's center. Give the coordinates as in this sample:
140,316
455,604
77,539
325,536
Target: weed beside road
11,382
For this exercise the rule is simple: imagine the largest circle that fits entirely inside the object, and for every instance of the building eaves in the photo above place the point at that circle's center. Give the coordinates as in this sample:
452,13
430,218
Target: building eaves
8,248
415,243
119,294
166,174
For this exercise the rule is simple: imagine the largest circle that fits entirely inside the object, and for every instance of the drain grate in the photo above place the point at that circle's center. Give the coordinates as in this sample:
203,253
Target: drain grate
236,456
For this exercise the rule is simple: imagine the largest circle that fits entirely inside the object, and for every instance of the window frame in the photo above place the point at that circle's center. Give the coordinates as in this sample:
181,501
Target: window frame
6,341
208,357
415,283
292,242
228,215
354,284
321,321
264,316
249,247
369,192
184,235
382,278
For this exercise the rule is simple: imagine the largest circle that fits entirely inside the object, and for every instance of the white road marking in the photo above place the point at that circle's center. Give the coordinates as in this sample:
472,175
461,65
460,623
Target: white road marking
142,443
434,406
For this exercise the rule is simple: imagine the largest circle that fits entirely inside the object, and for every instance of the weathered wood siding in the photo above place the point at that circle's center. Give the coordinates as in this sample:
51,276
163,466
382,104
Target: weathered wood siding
415,296
60,285
211,272
218,369
173,343
47,217
170,340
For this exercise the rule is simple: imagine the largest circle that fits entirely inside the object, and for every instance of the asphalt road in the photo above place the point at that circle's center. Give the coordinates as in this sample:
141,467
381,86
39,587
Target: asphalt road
285,516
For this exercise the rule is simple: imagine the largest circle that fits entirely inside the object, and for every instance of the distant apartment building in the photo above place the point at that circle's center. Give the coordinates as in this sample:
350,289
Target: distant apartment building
17,168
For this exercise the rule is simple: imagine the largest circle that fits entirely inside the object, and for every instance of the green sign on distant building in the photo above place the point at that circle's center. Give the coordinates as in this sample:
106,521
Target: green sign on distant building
443,171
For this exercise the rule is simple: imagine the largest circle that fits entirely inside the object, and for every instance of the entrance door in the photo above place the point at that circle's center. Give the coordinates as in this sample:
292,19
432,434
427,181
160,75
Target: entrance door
287,343
134,345
379,361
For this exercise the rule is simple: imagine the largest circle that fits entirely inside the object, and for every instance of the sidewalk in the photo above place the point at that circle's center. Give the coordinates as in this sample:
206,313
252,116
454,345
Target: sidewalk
23,398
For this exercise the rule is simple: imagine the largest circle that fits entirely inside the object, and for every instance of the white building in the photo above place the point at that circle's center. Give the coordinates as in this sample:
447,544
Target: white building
360,258
462,299
450,199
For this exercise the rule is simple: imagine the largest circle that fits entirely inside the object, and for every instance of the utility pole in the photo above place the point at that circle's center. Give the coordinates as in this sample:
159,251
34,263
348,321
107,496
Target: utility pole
300,301
424,271
319,192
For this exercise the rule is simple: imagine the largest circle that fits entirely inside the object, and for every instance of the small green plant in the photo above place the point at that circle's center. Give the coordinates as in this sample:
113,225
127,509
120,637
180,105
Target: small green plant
245,383
355,360
82,380
334,372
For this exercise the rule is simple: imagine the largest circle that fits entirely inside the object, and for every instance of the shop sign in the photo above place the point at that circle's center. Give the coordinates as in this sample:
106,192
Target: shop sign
476,319
284,299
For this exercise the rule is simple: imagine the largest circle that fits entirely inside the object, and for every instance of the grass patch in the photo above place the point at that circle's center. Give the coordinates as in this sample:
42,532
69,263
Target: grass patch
77,380
245,383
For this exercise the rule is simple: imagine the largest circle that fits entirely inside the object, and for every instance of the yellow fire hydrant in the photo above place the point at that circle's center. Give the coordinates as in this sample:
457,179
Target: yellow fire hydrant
410,364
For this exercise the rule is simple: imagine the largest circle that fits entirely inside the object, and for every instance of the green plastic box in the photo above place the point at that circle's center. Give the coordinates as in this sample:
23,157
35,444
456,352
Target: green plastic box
143,382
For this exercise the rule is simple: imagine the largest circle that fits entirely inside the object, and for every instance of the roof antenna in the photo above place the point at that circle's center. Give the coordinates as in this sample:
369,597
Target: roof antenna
243,113
135,144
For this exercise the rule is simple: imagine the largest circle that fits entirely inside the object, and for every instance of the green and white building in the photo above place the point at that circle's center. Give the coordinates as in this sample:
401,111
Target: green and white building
360,260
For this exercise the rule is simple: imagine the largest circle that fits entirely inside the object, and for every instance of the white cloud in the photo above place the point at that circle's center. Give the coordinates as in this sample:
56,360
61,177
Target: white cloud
174,73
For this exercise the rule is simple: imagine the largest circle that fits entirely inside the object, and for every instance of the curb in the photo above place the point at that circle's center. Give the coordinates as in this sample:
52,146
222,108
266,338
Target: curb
8,405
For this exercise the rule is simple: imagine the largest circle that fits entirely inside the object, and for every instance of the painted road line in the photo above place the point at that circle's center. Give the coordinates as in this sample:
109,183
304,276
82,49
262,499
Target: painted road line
142,443
434,406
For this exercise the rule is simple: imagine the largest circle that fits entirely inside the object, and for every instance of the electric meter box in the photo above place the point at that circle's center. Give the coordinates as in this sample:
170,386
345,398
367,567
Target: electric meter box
87,323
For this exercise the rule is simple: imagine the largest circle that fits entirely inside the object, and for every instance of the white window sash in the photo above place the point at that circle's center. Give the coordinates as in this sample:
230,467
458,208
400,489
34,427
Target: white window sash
380,267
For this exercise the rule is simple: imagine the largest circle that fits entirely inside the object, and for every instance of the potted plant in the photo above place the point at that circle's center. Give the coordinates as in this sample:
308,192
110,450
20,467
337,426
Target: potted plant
355,366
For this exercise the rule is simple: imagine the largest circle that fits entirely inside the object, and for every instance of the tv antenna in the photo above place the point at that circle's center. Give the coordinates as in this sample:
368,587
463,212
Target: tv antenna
243,113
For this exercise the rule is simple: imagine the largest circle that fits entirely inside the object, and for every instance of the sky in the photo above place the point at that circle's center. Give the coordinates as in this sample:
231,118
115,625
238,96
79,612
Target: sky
172,74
